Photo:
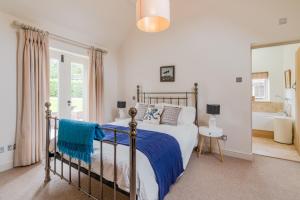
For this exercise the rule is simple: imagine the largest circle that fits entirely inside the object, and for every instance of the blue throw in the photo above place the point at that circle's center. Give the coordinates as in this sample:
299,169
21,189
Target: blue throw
75,138
162,151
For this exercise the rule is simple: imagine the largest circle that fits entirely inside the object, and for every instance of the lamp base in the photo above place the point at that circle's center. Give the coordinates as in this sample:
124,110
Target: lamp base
122,113
212,123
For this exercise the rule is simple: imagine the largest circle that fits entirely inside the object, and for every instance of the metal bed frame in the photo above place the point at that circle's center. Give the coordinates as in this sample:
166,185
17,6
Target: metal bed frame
80,169
57,156
178,98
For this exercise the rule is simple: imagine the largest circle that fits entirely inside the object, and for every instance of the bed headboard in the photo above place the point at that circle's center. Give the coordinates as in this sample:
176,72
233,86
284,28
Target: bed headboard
177,98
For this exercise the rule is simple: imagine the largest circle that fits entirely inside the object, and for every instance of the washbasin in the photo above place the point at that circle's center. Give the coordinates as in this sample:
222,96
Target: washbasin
283,129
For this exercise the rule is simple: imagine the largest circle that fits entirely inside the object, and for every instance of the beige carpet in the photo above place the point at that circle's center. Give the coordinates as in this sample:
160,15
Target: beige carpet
268,147
205,179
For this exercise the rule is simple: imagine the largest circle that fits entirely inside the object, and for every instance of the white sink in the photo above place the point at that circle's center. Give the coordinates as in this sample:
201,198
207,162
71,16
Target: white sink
283,129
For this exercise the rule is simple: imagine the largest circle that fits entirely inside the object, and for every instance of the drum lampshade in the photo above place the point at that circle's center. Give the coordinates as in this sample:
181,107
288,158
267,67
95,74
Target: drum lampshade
153,15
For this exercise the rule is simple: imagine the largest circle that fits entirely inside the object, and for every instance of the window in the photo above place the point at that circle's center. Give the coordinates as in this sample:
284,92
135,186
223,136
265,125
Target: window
54,68
260,86
78,90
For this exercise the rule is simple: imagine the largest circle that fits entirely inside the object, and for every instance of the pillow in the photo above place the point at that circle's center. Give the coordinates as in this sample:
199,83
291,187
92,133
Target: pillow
141,110
170,115
153,115
187,115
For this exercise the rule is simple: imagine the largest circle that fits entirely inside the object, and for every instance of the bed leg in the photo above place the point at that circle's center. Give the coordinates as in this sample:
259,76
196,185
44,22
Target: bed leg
132,156
48,127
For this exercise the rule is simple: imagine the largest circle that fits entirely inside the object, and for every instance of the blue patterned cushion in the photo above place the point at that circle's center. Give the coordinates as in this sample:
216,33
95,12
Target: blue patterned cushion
153,114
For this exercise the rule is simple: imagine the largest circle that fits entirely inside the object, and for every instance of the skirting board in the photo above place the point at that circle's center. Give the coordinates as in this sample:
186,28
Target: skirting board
235,154
239,155
6,166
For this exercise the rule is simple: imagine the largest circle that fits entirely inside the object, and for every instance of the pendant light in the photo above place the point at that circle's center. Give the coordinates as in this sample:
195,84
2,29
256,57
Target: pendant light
153,15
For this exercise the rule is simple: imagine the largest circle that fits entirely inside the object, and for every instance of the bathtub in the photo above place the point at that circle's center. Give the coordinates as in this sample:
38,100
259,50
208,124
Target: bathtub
264,120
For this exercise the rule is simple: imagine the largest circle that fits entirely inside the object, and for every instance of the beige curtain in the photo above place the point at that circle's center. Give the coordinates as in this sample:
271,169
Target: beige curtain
95,86
32,93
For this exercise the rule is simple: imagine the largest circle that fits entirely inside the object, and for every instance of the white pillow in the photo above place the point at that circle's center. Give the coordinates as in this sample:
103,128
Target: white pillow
141,110
187,115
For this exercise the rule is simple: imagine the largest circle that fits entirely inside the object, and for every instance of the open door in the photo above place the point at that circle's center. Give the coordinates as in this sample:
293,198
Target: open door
297,121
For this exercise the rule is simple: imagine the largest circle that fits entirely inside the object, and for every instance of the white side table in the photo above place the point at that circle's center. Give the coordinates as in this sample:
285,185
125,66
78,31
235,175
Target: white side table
212,134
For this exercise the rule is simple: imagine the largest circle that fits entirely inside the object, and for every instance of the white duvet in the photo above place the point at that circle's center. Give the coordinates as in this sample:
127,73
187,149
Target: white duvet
147,187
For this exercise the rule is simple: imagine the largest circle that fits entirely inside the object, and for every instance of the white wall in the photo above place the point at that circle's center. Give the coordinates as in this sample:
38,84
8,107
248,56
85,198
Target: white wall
209,42
8,89
8,81
271,60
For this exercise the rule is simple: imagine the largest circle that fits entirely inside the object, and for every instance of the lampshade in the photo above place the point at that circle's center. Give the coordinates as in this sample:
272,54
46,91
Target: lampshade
153,15
121,104
213,109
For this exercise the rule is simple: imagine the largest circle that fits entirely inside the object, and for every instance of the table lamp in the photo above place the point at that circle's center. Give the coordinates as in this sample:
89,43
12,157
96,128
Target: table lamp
121,105
213,110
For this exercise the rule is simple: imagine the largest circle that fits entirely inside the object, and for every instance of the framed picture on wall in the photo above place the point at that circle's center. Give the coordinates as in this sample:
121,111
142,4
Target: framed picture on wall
287,78
167,74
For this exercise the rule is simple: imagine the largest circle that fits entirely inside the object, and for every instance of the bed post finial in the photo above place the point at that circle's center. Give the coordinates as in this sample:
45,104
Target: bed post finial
48,126
196,102
138,93
132,157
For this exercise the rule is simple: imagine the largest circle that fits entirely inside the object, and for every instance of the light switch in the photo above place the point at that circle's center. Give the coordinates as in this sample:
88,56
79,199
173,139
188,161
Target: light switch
239,79
282,21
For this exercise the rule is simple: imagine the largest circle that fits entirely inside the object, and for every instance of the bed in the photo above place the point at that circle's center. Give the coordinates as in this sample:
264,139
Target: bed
125,168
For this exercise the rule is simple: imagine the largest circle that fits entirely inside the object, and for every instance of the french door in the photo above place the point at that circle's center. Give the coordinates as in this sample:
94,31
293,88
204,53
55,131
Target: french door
68,84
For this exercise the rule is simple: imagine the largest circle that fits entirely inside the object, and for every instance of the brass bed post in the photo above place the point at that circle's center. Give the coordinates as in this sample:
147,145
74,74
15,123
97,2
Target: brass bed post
48,127
196,102
138,93
132,156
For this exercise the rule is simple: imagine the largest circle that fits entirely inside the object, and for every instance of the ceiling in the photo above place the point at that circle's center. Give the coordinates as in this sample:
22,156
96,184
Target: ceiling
107,23
104,22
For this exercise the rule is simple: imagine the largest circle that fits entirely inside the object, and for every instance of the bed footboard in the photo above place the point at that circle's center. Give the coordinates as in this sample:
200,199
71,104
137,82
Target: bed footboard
51,129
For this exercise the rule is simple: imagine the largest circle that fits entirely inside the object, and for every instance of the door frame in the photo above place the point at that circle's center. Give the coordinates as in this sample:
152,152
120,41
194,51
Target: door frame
297,92
272,44
297,102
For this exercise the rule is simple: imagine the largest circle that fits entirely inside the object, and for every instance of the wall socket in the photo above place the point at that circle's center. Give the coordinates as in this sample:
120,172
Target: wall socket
224,137
2,149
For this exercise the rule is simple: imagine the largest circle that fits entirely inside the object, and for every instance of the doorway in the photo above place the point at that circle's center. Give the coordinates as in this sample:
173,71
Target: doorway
274,101
68,84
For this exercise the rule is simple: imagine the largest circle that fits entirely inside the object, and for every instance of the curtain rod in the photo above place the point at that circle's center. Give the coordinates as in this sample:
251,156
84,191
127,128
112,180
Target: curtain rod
58,37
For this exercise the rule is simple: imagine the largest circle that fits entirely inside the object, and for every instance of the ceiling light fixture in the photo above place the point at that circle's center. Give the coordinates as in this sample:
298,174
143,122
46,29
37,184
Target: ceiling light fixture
153,15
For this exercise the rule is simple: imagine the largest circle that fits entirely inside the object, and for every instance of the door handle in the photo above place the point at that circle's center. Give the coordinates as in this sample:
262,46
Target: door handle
69,102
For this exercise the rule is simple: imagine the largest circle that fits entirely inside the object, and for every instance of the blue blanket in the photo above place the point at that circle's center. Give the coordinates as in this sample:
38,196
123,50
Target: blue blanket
75,138
162,151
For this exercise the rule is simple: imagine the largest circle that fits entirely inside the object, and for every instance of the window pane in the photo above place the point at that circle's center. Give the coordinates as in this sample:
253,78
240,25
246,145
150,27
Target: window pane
77,86
260,89
54,64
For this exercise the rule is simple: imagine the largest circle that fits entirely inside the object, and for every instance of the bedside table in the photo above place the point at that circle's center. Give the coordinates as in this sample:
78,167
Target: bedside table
212,134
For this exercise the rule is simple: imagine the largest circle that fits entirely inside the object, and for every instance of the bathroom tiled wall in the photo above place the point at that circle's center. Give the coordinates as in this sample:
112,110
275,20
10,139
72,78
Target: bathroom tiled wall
258,106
